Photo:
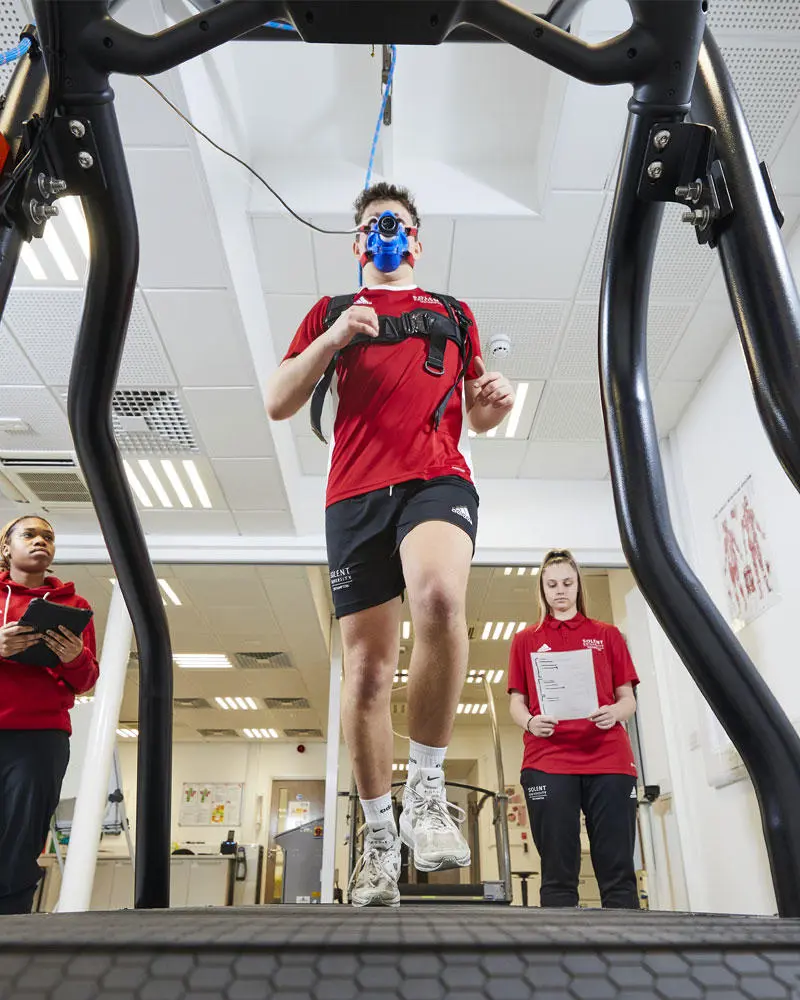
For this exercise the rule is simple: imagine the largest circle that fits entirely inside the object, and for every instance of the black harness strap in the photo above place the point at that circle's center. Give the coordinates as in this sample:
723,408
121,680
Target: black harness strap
436,328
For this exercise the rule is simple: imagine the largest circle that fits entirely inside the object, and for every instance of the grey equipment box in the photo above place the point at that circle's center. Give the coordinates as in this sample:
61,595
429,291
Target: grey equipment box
302,862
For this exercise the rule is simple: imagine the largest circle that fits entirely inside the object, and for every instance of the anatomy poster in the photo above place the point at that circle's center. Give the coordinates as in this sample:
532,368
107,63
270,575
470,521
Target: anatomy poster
746,558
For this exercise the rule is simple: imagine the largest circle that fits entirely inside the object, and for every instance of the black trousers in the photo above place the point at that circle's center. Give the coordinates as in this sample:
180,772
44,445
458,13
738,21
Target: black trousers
32,767
608,802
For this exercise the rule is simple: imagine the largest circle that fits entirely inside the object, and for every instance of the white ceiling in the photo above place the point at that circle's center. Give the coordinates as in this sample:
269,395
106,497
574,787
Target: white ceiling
513,166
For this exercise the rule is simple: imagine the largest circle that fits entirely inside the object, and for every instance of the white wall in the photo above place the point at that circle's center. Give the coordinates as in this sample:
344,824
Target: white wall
719,443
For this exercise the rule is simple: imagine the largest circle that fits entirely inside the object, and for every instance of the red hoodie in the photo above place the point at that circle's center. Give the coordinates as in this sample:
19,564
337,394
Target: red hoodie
40,697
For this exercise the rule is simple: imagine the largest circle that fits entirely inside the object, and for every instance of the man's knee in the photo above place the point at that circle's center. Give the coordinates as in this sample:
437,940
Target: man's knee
438,601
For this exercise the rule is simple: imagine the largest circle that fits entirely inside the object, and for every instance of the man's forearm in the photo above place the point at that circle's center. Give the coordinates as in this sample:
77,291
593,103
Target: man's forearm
291,385
626,707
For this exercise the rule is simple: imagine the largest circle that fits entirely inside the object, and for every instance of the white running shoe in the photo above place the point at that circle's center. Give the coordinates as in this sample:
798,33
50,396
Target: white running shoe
429,823
374,880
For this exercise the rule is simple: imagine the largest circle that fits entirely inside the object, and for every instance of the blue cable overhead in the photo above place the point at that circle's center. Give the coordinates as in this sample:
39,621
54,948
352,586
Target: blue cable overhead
386,91
15,53
280,25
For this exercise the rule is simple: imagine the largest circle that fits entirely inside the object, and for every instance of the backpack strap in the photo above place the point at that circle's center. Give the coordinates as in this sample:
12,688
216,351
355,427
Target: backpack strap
459,319
337,305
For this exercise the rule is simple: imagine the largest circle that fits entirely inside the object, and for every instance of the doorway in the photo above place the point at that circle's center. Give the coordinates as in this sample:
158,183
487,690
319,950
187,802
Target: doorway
293,803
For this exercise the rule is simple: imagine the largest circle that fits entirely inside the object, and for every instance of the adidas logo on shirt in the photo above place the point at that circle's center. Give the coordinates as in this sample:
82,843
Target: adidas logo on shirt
361,301
544,649
462,512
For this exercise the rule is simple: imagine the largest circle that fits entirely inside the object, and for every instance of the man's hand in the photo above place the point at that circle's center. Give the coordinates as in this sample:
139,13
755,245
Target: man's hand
493,388
606,717
542,725
16,638
355,320
65,644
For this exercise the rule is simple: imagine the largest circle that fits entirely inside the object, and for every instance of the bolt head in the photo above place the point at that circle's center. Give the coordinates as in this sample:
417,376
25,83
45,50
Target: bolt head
86,160
78,129
661,139
655,170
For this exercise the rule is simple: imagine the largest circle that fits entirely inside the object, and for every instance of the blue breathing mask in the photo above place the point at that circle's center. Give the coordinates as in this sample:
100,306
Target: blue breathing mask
387,243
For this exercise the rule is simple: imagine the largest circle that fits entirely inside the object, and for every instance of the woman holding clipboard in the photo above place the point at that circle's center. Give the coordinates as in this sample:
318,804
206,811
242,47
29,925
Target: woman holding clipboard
577,753
42,667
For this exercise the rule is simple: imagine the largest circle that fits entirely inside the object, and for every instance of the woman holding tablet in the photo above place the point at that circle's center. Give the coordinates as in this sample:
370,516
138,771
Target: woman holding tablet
583,759
34,702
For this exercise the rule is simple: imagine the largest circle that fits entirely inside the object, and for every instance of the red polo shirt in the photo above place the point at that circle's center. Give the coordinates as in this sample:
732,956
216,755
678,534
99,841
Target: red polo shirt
577,746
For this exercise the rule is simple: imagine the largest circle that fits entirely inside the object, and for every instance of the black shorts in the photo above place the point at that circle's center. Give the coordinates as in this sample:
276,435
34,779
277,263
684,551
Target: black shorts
364,533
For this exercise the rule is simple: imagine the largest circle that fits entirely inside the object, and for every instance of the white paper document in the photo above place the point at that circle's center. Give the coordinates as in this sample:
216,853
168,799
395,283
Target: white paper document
565,683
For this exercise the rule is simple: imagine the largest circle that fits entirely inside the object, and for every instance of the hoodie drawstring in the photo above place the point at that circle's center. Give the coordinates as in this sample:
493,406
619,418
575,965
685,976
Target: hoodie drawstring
8,602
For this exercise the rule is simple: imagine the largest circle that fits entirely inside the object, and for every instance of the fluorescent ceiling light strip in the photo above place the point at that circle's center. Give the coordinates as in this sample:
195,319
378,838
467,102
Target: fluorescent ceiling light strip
141,494
487,628
197,483
155,482
74,216
534,570
202,661
53,243
490,676
222,703
31,261
516,411
175,482
248,733
484,708
251,703
241,703
406,630
170,592
521,571
498,676
508,571
509,629
498,629
273,733
459,710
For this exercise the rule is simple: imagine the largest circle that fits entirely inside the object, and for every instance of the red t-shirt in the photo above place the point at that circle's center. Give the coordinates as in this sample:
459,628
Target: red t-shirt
384,402
577,746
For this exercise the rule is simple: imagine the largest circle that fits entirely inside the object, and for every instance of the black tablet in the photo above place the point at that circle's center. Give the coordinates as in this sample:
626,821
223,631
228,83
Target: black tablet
45,616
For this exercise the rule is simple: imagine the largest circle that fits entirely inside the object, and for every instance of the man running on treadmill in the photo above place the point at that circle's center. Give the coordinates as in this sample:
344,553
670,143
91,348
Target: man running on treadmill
401,515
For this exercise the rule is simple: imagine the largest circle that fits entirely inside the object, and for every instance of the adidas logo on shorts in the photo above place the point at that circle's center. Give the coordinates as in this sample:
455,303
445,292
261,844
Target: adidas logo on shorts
462,512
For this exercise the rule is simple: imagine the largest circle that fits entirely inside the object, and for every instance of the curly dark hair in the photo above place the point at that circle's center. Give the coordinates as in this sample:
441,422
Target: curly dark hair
385,192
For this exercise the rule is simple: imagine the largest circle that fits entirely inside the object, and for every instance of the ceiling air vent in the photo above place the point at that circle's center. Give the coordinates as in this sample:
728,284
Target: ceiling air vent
399,708
263,661
46,480
190,703
151,422
306,734
286,703
219,733
471,633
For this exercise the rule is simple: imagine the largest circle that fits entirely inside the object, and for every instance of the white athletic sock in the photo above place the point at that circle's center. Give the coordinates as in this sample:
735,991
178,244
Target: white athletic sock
379,813
421,756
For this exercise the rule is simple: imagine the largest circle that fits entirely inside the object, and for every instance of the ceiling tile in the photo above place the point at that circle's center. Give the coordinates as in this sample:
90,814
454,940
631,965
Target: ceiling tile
497,459
45,323
565,460
15,369
232,423
286,313
187,522
285,257
180,243
526,258
533,327
251,483
709,330
36,406
264,522
569,411
670,399
203,334
313,454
